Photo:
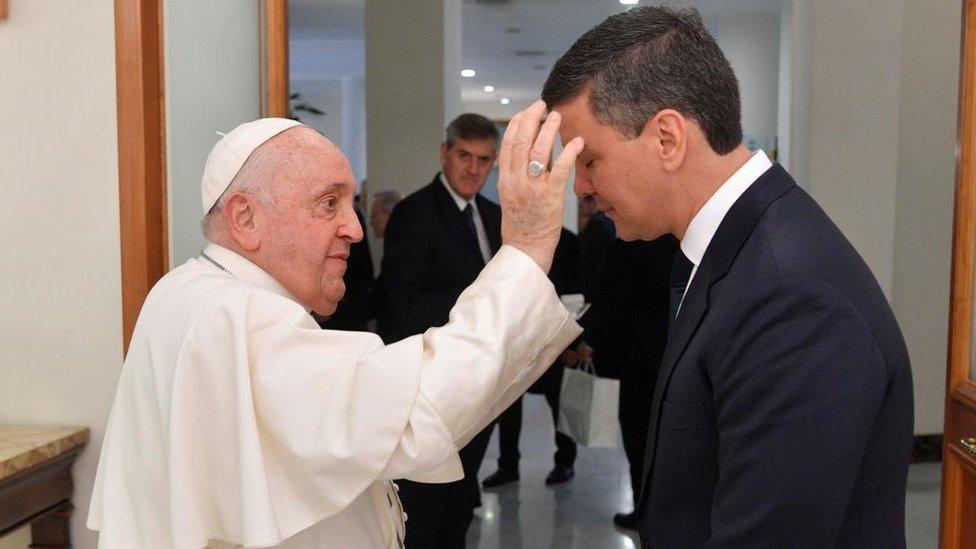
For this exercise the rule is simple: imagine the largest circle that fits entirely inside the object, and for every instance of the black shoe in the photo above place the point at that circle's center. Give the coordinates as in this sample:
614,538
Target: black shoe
626,520
499,477
559,475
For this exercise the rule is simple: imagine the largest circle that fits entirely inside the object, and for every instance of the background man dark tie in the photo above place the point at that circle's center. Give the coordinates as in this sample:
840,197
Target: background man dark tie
437,241
782,413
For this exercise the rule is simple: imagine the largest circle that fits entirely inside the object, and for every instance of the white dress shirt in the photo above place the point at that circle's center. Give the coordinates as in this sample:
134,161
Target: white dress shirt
703,226
479,226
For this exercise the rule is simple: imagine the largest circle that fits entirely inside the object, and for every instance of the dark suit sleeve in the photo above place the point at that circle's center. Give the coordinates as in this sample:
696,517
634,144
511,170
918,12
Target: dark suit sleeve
796,389
565,273
356,307
415,302
609,291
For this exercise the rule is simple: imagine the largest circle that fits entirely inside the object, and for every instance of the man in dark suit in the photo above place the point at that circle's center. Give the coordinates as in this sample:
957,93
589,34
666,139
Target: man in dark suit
627,327
782,413
379,215
437,241
565,276
356,307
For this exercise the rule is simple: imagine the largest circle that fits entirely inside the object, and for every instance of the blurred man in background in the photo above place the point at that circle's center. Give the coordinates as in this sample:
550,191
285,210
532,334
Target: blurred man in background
437,241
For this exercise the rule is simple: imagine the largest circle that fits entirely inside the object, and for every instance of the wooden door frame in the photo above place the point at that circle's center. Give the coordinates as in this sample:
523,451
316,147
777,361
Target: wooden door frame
140,102
960,389
142,152
274,58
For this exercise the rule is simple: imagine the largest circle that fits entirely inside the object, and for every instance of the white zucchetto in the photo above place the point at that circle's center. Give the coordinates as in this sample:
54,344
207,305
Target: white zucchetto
230,153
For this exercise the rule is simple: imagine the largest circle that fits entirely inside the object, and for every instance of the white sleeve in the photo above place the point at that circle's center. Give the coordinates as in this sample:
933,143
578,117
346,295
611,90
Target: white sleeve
504,331
250,423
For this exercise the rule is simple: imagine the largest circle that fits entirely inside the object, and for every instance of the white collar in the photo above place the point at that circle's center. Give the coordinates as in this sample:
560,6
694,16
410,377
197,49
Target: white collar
703,226
239,267
461,202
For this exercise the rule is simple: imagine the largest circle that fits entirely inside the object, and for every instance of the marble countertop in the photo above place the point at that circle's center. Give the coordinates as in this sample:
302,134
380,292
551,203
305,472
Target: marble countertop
22,447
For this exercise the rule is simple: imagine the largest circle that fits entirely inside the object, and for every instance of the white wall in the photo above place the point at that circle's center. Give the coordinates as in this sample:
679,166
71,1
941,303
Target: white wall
325,58
925,185
354,124
855,76
751,44
880,94
325,95
61,327
212,83
330,74
343,101
800,47
406,91
452,59
785,96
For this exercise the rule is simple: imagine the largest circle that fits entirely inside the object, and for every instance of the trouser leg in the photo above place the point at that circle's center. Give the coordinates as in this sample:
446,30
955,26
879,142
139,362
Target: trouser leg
425,506
509,430
565,446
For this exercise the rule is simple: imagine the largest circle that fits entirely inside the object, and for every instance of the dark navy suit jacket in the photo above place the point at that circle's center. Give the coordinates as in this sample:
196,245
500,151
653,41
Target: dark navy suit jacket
430,256
782,415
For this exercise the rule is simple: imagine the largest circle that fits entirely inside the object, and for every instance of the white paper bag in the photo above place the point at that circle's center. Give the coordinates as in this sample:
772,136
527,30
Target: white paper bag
588,407
576,304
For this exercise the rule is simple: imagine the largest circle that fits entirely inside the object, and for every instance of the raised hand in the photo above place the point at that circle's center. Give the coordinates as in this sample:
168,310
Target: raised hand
532,207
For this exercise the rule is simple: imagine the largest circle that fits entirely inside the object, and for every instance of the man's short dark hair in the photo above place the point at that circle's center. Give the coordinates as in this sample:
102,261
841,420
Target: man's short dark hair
471,127
644,60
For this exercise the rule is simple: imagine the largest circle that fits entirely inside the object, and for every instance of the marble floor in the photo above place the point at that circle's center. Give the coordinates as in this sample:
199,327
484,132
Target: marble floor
578,514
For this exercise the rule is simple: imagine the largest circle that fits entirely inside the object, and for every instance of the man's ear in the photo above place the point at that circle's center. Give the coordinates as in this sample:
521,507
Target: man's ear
444,149
668,133
239,215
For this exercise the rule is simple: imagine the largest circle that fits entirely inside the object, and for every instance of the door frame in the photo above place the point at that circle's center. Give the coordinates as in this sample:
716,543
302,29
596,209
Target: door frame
143,212
140,103
274,58
960,421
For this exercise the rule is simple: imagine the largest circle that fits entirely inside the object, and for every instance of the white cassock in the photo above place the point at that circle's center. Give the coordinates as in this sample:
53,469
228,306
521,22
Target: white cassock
239,422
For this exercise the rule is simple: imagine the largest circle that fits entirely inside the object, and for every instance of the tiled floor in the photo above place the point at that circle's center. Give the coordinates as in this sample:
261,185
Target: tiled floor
922,505
578,514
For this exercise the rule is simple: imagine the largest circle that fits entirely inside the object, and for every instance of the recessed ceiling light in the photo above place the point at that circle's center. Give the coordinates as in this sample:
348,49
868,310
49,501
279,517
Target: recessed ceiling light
489,89
505,101
629,2
468,73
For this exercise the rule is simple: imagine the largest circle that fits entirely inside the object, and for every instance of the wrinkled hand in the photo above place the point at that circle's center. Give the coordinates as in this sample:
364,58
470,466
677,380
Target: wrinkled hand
532,207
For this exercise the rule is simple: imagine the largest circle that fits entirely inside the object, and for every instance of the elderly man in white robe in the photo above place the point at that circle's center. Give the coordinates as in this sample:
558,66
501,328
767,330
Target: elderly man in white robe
239,423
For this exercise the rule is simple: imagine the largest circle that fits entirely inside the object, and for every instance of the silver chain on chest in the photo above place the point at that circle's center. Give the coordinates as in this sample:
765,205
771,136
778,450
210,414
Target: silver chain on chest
218,265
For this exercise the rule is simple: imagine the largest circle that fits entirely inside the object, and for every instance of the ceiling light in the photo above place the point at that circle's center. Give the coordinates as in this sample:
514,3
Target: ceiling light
505,101
489,89
468,73
629,2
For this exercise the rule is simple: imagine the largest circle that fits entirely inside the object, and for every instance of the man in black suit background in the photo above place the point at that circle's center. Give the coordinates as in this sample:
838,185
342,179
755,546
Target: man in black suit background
565,276
356,308
626,285
437,241
782,413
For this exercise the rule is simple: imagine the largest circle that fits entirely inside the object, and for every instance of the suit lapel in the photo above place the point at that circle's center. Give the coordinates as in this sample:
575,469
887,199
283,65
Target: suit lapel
454,218
732,233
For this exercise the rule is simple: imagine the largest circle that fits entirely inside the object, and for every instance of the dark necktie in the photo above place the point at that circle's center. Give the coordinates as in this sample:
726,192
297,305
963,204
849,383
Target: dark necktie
468,212
680,273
